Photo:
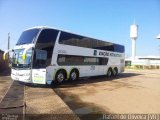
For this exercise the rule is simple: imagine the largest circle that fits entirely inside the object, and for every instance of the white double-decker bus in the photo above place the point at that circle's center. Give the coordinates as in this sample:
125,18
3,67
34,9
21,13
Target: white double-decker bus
46,55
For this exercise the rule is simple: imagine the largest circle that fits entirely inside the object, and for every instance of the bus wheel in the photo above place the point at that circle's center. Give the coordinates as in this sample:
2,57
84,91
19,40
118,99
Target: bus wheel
115,72
60,76
109,72
74,75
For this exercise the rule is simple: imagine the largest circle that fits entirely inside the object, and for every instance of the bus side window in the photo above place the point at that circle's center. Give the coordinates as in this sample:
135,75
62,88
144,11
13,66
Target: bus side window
103,61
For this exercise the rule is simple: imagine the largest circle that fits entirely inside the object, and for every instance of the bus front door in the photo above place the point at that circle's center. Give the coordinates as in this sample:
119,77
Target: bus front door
39,67
39,76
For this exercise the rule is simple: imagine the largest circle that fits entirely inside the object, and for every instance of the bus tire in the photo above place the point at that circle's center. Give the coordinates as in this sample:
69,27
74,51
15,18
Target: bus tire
109,72
74,75
115,72
60,76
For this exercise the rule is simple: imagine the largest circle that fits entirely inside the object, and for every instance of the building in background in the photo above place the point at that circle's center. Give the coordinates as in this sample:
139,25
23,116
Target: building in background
4,65
144,62
140,61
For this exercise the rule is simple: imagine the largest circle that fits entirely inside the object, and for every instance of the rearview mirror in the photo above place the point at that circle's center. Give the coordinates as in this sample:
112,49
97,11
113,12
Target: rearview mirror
5,56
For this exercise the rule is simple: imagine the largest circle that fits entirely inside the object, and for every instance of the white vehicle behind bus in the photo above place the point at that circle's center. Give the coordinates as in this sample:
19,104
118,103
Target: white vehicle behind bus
46,55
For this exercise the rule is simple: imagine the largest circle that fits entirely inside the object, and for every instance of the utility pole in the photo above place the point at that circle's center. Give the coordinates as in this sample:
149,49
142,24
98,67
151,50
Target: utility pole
8,46
8,41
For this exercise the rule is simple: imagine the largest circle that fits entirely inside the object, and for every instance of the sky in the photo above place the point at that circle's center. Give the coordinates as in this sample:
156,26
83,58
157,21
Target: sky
107,20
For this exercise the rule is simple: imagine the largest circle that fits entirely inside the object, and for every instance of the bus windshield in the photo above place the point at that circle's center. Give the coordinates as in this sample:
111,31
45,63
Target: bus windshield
28,36
18,62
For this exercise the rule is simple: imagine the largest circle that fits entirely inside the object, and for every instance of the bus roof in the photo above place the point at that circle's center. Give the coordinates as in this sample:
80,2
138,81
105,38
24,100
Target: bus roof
46,27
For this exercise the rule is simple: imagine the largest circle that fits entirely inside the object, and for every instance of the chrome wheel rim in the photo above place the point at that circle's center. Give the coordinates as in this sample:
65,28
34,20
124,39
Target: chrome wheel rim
60,77
109,73
73,76
114,72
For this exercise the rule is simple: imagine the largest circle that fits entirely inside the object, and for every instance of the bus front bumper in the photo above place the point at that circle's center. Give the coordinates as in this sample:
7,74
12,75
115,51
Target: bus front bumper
21,75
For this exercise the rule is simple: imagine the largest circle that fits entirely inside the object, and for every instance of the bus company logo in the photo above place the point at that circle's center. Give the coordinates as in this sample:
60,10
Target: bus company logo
104,53
115,55
110,54
95,53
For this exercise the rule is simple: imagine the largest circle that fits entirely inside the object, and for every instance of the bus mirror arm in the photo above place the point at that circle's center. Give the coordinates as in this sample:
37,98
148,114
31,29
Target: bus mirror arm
4,54
24,52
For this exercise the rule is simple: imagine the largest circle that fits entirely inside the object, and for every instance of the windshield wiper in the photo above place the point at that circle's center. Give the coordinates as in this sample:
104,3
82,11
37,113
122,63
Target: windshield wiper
20,43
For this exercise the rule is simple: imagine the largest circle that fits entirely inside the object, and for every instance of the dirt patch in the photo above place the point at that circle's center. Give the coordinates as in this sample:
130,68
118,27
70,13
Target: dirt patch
43,103
5,82
83,110
130,92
